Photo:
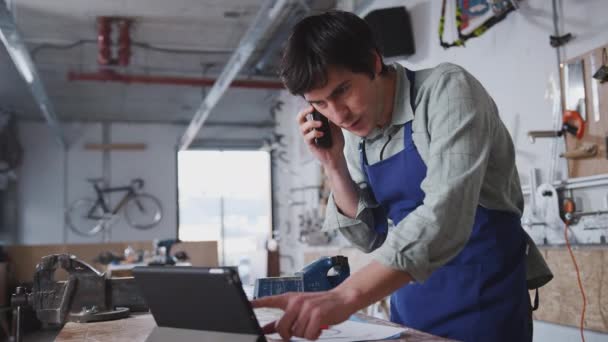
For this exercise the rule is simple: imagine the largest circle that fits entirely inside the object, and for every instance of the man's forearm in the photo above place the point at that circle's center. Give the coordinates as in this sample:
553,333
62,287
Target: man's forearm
343,188
370,284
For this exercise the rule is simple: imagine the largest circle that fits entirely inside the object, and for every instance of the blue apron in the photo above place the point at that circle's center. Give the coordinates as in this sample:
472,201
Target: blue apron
479,295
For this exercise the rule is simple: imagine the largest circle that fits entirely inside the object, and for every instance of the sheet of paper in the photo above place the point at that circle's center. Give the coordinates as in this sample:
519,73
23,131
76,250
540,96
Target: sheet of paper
343,332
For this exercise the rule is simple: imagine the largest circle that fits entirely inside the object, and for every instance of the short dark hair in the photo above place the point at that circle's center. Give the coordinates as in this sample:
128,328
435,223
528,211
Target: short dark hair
334,38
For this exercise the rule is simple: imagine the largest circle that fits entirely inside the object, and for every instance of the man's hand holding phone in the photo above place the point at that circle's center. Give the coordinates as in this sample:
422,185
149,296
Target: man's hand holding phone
324,139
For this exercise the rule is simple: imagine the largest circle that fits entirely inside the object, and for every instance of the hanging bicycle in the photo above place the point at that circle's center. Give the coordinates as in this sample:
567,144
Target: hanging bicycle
89,216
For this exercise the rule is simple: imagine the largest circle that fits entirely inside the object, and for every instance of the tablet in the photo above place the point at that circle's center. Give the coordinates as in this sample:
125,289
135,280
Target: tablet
197,298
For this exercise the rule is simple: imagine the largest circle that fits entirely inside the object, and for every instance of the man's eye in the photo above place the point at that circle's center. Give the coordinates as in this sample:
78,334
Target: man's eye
341,91
320,105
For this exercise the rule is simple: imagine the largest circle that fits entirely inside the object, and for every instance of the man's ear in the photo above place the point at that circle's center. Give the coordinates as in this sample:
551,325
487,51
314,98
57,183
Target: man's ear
377,63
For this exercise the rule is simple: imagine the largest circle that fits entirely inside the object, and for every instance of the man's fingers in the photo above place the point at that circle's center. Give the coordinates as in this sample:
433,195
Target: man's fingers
299,326
301,117
277,302
285,324
310,136
270,328
309,126
313,328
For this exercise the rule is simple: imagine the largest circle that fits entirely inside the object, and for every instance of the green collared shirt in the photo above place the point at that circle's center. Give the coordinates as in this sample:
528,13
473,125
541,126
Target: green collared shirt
470,161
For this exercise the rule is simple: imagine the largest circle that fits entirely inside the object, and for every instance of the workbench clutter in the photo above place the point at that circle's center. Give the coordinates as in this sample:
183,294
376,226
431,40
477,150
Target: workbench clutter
88,301
54,286
159,255
87,295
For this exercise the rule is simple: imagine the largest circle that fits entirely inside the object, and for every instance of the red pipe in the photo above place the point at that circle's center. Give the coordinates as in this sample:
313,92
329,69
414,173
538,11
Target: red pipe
104,41
112,76
124,42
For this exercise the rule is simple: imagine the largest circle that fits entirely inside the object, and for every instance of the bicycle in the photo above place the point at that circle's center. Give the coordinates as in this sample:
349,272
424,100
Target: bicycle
88,216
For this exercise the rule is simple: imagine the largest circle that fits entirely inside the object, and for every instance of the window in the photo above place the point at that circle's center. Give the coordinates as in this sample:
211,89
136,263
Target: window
226,196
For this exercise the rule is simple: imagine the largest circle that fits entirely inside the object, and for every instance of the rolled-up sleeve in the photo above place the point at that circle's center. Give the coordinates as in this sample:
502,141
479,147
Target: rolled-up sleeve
357,230
460,124
360,229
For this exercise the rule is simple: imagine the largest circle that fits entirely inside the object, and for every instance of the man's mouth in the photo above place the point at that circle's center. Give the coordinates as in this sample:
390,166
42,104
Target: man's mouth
353,125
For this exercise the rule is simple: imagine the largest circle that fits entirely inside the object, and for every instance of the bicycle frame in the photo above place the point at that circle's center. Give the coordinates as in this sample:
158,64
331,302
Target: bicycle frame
101,201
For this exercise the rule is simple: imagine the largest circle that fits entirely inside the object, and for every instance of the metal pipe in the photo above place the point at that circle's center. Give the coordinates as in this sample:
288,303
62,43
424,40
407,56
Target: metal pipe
533,187
283,33
18,333
112,76
222,231
106,166
589,213
557,103
575,183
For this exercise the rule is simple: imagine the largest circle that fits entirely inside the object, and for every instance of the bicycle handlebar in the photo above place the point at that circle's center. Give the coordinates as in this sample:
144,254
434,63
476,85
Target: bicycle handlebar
138,183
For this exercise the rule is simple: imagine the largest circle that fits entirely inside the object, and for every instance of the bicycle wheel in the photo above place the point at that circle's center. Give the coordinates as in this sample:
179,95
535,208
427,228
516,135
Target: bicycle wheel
79,217
143,211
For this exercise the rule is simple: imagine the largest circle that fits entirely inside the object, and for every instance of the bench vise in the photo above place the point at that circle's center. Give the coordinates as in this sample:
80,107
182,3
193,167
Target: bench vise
86,296
313,277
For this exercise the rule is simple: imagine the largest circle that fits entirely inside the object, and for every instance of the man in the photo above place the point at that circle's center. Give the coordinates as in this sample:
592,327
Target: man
427,151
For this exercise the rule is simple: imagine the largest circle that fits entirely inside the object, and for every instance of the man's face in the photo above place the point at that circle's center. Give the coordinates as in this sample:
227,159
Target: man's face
350,100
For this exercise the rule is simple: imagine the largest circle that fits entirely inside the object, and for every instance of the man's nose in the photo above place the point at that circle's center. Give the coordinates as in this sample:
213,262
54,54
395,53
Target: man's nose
341,112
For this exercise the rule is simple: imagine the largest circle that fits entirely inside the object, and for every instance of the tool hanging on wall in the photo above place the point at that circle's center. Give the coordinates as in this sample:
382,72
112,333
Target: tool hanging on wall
474,18
557,41
581,152
572,123
602,73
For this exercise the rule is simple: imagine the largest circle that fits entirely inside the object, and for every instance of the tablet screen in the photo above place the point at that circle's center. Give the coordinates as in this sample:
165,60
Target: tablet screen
197,298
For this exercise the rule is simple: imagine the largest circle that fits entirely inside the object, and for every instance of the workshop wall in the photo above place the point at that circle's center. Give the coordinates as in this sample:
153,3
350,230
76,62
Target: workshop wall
50,178
43,194
516,64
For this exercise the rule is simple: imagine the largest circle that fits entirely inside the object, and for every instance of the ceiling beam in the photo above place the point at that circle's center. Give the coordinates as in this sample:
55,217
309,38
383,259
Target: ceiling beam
266,16
20,56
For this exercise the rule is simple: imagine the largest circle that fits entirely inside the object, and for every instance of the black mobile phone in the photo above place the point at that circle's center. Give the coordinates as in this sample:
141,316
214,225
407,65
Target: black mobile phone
325,140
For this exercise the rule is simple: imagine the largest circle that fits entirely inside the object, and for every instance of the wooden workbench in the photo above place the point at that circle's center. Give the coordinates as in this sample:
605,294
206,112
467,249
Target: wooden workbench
137,327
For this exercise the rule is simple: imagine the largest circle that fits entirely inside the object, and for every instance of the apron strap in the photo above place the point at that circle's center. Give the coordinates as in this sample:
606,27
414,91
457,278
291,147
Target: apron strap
536,300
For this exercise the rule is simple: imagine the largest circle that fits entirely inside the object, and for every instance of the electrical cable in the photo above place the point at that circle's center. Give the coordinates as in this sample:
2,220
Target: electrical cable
580,283
69,46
